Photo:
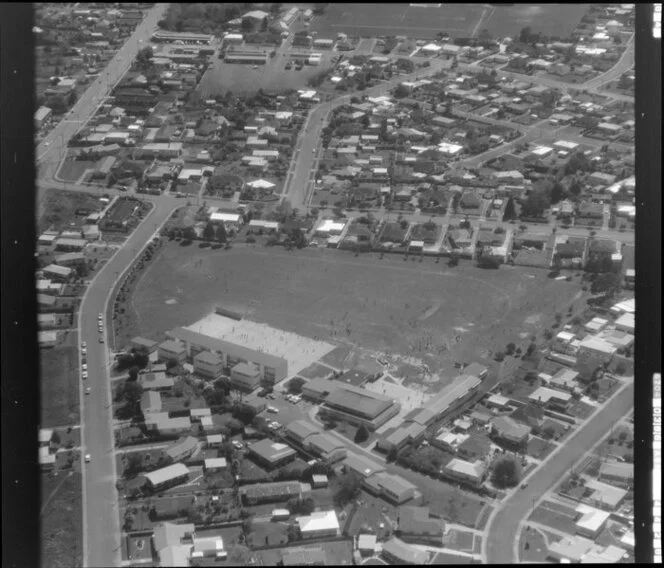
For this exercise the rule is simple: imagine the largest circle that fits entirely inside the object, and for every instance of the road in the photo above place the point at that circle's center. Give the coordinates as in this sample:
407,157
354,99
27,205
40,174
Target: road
101,524
54,147
503,527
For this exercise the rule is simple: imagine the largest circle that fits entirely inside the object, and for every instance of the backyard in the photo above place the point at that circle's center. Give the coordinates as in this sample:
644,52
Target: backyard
60,383
332,295
61,521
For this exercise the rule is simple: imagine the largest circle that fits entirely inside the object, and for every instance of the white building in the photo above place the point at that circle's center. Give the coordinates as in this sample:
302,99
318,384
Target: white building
318,525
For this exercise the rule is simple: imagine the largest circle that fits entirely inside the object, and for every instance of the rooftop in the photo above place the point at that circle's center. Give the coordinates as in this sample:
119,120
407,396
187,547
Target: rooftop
358,401
319,521
271,451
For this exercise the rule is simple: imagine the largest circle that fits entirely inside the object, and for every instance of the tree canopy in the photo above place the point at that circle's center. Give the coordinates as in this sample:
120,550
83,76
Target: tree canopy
505,473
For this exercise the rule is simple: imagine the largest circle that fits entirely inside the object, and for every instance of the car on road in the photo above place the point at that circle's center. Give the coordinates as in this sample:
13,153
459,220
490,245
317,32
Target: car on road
274,425
87,458
524,485
88,390
101,339
84,366
84,375
270,396
100,316
272,409
47,143
238,445
84,344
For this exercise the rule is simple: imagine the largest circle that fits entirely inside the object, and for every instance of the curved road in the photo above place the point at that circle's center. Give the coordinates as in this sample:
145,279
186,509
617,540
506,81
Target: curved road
101,525
502,529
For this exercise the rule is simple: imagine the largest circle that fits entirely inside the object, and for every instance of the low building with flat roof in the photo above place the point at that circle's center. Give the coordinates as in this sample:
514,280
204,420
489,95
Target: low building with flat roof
605,496
472,473
150,402
156,381
271,454
300,431
393,488
271,492
326,446
361,465
617,472
167,476
359,406
317,389
183,448
591,522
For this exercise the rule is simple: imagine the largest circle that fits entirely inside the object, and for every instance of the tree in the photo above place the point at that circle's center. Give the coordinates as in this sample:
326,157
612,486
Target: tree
362,434
525,35
608,283
509,350
299,506
133,373
347,487
505,473
535,204
549,432
134,464
72,97
209,232
221,233
132,392
143,57
295,385
83,270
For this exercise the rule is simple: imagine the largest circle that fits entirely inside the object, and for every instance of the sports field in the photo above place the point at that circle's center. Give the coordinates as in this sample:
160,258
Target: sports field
421,309
458,20
273,76
368,20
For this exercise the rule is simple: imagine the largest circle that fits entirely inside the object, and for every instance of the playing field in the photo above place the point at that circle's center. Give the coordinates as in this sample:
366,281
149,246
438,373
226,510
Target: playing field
238,78
423,310
458,20
368,20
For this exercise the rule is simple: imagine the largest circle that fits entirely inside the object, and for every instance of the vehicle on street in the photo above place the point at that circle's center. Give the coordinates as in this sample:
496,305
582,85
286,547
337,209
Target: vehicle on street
84,375
84,366
272,409
88,390
84,345
101,339
100,316
524,485
270,396
87,458
238,445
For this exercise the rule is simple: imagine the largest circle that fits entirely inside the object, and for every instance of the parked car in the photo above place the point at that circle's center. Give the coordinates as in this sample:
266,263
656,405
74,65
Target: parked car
87,458
88,390
101,339
272,409
238,445
84,375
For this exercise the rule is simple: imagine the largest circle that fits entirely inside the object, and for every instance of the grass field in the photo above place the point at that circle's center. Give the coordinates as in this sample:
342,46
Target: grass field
550,19
380,304
237,78
366,20
60,384
60,207
61,522
532,546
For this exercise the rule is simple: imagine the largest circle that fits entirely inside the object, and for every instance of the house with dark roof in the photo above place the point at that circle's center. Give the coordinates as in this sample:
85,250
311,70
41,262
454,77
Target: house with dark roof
418,527
509,431
530,415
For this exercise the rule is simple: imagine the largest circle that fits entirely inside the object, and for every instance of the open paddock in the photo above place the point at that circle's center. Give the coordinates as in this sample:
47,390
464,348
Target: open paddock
373,302
60,383
222,77
371,20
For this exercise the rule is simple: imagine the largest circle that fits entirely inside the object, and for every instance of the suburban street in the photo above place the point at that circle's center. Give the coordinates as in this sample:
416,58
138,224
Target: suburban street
101,523
498,542
54,147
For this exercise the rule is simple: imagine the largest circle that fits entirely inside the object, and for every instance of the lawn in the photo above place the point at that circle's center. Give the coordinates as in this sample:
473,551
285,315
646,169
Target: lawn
72,170
221,77
267,533
366,20
539,448
332,295
532,546
60,207
60,397
554,516
61,522
459,540
444,500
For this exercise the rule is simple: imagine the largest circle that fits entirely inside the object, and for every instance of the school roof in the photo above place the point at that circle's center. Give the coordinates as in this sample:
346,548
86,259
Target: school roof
215,344
168,473
325,443
301,429
319,521
358,401
461,386
363,466
271,451
207,357
405,553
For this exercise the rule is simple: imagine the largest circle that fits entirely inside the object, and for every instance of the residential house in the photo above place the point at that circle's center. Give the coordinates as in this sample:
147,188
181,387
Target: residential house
472,473
418,527
510,431
271,492
166,477
396,551
321,524
150,402
529,415
271,454
183,449
391,487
